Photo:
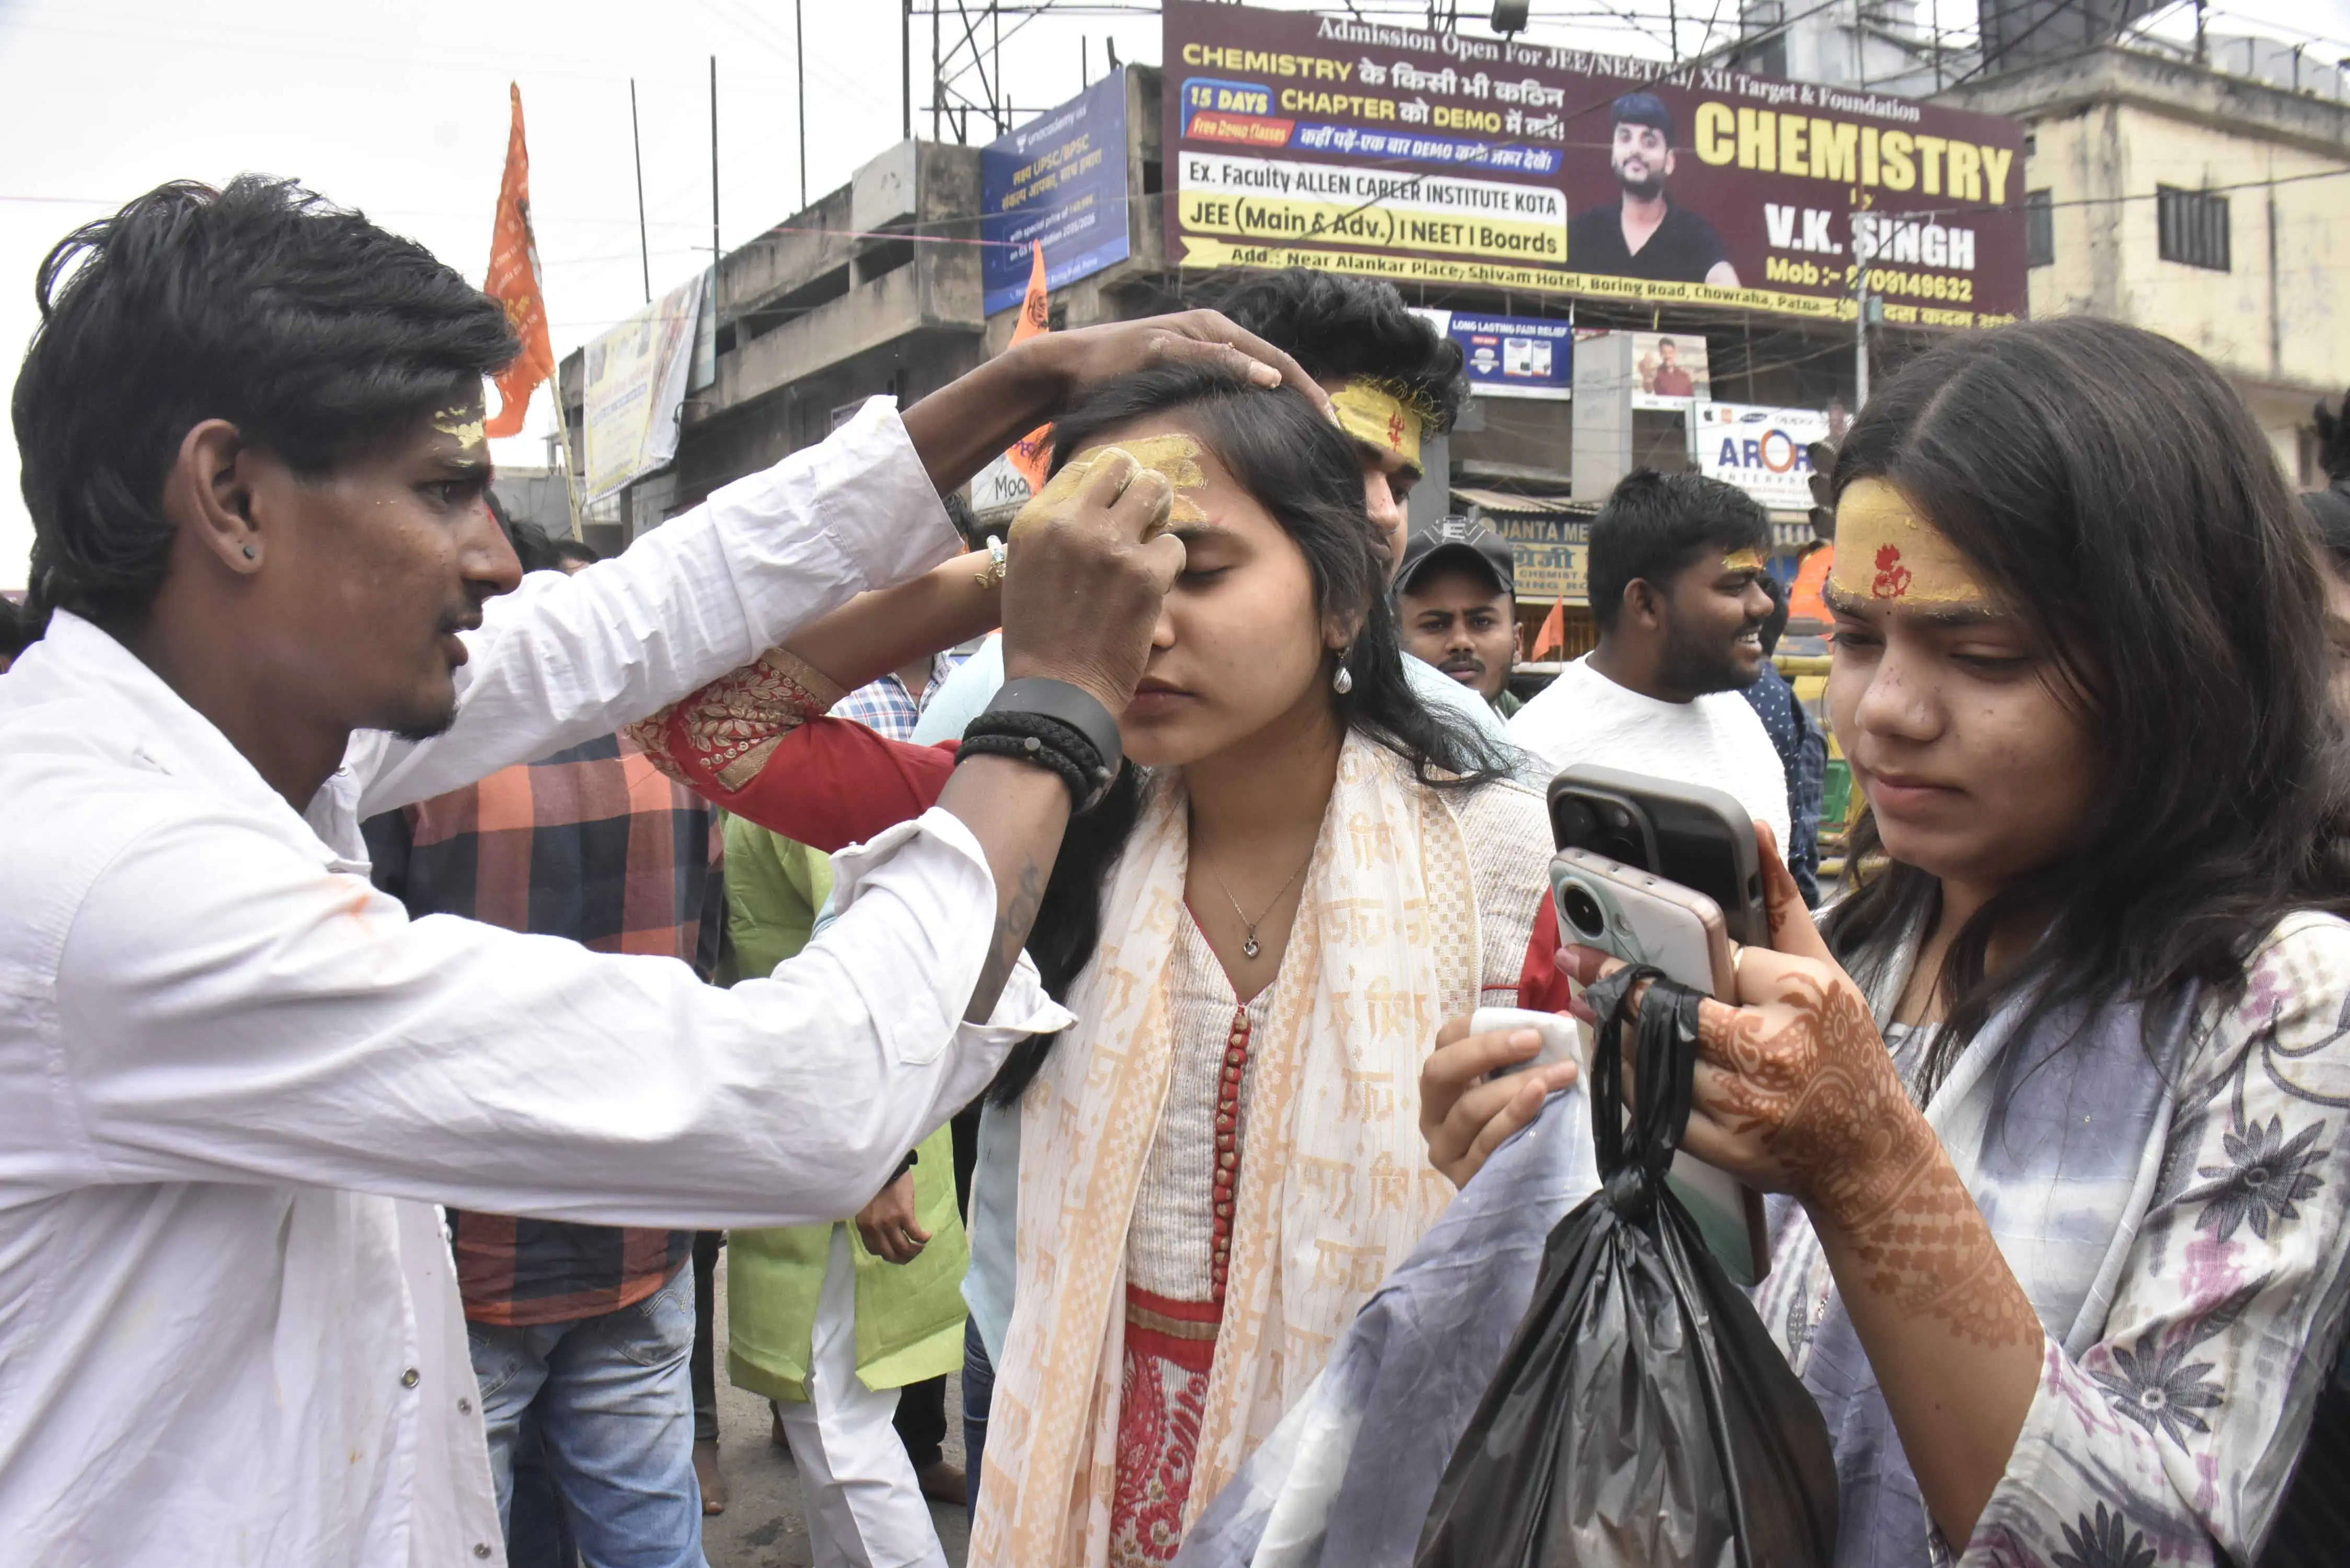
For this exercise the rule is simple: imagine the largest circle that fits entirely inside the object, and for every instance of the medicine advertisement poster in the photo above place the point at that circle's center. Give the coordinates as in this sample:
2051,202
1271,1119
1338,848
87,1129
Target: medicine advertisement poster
635,392
1434,156
1512,355
1762,451
1060,179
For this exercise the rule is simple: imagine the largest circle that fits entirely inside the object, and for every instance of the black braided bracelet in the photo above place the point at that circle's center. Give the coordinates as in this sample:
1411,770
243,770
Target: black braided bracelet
1033,749
1056,726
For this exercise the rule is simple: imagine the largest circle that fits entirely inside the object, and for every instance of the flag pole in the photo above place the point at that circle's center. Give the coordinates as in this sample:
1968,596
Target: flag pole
563,448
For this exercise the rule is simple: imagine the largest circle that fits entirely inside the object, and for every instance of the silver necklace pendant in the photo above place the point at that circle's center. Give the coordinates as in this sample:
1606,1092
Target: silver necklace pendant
1250,948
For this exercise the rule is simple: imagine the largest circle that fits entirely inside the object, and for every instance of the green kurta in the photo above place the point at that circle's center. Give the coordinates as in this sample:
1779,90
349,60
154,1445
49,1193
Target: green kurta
908,1316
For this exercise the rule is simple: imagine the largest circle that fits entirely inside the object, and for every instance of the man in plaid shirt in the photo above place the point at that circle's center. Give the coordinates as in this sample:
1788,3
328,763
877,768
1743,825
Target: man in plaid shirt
584,1329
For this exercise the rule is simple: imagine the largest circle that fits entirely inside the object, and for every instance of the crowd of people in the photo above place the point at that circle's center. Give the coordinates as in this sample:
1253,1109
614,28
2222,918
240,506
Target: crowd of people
1049,962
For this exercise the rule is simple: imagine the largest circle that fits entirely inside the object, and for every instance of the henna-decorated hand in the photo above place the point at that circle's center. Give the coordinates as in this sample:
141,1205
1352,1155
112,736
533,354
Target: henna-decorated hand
1465,1112
1795,1092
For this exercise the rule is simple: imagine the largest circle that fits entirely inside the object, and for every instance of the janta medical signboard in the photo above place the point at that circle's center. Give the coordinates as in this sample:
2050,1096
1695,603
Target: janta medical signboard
1437,157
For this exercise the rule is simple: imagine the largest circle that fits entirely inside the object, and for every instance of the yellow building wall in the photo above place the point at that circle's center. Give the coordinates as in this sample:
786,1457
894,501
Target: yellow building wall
2277,322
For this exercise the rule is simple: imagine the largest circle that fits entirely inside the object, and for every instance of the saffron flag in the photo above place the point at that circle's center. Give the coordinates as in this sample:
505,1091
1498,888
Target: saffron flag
1031,454
514,282
1805,601
1551,640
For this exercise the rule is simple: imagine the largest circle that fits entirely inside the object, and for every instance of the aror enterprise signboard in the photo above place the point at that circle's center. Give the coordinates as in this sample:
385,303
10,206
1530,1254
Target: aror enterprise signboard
1321,140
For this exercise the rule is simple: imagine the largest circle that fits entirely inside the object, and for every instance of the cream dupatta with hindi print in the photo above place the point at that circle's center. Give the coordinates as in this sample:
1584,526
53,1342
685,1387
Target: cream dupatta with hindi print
1335,1188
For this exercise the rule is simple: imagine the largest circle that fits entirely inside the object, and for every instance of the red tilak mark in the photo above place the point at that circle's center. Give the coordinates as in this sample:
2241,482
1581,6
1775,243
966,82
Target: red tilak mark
1892,577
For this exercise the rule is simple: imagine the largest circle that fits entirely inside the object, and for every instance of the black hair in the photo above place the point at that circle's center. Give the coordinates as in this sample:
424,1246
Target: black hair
2333,442
1655,524
569,549
316,333
1644,109
15,633
2114,491
2329,513
966,522
1774,625
1337,326
1304,473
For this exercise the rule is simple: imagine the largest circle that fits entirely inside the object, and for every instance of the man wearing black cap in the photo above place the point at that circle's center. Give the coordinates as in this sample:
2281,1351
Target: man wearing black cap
1456,603
1646,235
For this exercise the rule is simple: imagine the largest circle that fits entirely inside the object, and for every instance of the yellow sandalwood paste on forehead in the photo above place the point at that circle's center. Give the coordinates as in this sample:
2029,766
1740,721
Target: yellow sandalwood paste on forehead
1176,457
1377,417
1885,551
461,423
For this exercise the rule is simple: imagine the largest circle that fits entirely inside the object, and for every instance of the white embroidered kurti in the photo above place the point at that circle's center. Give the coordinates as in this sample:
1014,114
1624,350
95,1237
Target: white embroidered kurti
1179,1245
2177,1391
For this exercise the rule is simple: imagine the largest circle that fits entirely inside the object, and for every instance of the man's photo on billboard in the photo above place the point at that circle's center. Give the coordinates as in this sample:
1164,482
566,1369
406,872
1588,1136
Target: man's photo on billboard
1644,232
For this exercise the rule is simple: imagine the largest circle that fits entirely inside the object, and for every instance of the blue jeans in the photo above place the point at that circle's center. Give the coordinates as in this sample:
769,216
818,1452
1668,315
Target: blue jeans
612,1396
978,1394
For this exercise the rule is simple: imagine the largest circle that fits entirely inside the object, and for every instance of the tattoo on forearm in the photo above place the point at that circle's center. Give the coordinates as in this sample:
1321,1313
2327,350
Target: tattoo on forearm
1012,919
1820,1087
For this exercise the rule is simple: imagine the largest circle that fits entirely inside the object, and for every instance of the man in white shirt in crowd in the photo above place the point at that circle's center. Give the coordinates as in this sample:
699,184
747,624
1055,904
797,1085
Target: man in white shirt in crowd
1675,574
234,1079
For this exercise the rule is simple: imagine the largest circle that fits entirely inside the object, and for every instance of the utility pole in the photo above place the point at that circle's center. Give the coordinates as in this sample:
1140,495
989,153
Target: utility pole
1860,337
799,70
713,166
937,129
635,144
906,69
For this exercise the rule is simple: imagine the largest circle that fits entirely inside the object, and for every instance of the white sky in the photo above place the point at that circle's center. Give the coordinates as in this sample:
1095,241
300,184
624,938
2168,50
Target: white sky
399,107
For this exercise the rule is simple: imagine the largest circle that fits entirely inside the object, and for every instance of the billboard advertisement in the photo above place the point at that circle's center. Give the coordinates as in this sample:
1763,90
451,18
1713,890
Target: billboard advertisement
1060,179
635,392
1294,139
1512,355
1761,451
1549,555
1670,368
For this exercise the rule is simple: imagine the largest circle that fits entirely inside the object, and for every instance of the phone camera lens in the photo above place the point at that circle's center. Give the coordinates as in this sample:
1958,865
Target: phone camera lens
1576,824
1583,911
1617,818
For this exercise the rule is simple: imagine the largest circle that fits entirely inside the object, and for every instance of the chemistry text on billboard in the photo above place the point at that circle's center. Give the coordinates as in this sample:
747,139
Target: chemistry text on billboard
1441,157
1060,179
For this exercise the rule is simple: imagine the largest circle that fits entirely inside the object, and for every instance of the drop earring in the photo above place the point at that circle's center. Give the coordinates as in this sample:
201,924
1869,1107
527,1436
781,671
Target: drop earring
1343,681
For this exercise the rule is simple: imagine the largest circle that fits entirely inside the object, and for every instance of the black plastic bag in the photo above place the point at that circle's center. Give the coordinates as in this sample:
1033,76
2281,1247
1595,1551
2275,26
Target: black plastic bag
1642,1416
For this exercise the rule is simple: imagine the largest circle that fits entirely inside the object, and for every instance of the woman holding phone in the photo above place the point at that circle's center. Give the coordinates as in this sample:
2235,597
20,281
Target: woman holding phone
2059,1092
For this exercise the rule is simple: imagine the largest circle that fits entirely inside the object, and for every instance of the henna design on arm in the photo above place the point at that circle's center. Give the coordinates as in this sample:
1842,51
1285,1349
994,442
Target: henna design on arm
1811,1079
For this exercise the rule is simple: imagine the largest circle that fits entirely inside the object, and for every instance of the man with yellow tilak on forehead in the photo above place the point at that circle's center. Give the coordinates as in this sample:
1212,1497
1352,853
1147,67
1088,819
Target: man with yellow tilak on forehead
1675,570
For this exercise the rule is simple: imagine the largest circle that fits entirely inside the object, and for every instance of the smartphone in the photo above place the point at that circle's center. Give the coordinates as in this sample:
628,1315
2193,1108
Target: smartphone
1641,918
1699,837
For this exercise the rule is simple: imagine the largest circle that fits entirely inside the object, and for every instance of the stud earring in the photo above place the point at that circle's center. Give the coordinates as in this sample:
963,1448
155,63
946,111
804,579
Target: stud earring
248,552
1343,681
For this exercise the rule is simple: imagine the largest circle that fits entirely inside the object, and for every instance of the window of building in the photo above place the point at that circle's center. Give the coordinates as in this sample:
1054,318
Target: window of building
2194,226
2039,229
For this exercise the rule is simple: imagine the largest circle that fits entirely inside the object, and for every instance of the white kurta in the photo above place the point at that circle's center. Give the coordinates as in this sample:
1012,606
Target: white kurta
234,1079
